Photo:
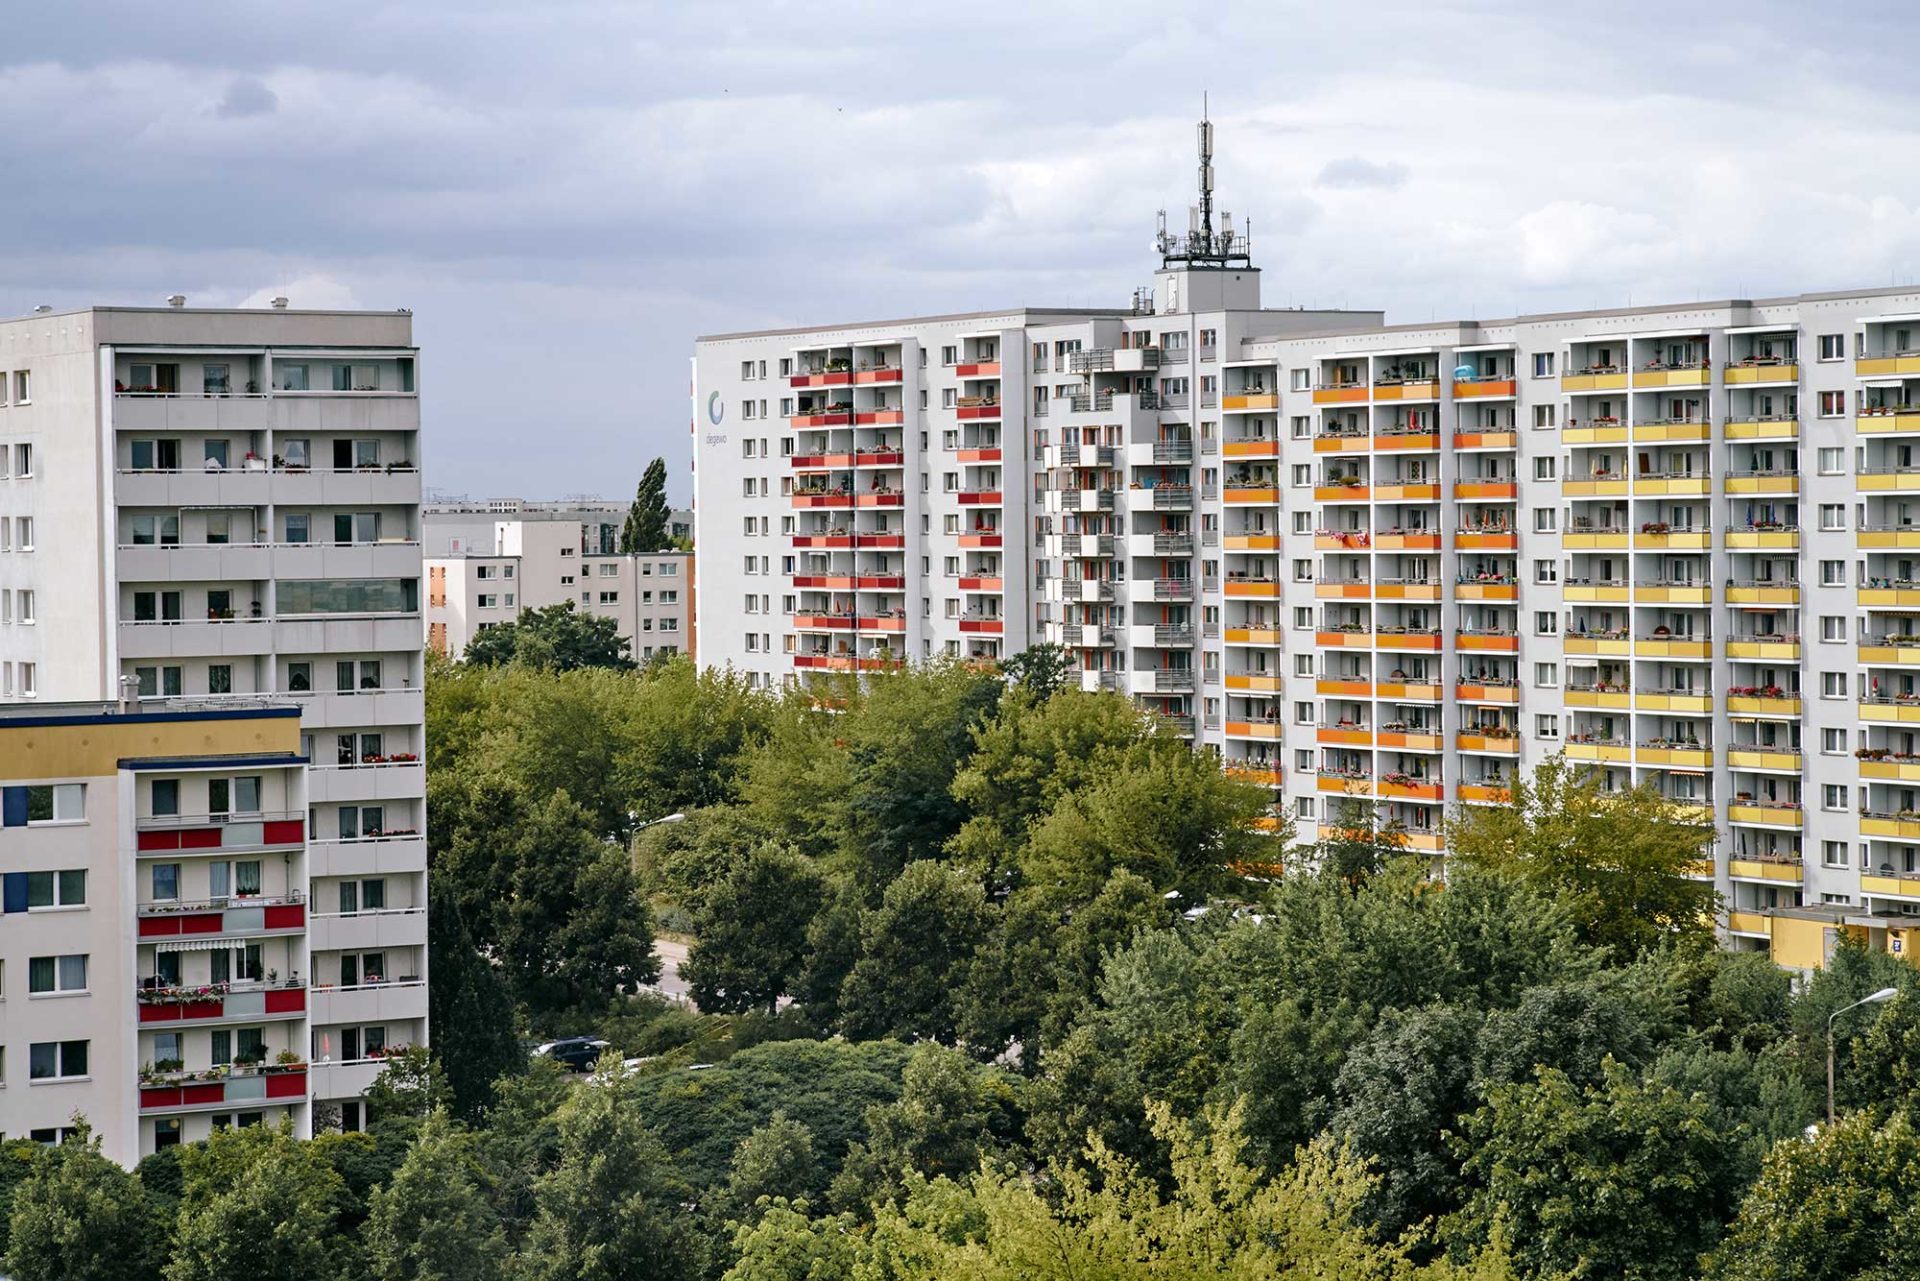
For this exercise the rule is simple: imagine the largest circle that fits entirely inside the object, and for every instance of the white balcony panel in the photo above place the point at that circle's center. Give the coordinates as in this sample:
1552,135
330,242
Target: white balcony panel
191,413
364,930
368,710
393,782
381,1003
383,856
341,1080
366,634
235,637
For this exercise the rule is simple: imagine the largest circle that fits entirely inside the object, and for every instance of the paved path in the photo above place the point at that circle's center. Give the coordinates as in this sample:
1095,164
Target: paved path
672,957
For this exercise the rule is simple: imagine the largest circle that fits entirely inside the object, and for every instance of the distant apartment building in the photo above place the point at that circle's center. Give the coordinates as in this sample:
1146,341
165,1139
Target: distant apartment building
487,562
205,509
1380,568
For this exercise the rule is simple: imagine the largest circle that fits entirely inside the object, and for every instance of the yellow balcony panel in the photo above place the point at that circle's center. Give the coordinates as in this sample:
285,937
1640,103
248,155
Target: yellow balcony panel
1611,488
1888,538
1348,689
1407,591
1254,495
1891,655
1426,390
1341,444
1760,705
1407,693
1409,741
1892,770
1595,593
1486,591
1763,485
1251,542
1890,711
1886,366
1768,870
1487,642
1253,588
1672,486
1699,869
1763,539
1601,753
1344,737
1253,729
1677,757
1343,640
1269,400
1596,540
1483,794
1253,635
1764,650
1668,594
1670,647
1782,816
1751,594
1490,744
1613,699
1411,789
1356,541
1407,543
1786,371
1872,422
1673,540
1425,842
1494,490
1653,432
1253,681
1481,692
1406,441
1594,382
1602,646
1250,448
1751,924
1764,759
1902,887
1890,597
1887,481
1672,377
1355,394
1594,434
1477,540
1898,827
1761,429
1344,786
1406,493
1685,704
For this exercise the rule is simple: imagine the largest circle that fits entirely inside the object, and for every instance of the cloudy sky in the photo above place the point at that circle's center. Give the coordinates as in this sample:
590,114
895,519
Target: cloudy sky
566,192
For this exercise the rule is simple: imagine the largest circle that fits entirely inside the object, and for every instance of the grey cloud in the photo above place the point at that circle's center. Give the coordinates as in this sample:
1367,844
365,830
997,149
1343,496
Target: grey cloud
247,96
1356,173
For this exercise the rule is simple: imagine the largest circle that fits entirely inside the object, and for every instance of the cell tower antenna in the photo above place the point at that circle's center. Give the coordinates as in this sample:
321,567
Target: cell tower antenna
1204,246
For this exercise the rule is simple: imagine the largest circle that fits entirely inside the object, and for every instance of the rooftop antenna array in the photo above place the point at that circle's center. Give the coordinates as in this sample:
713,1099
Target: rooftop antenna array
1202,246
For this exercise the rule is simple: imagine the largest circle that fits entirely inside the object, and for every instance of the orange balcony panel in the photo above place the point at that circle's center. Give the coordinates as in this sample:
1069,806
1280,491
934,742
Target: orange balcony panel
1250,587
1498,490
1484,793
1254,729
818,622
878,458
1409,741
1343,640
1505,746
1486,541
1489,644
978,455
840,379
1410,791
1251,542
1408,542
1407,591
1260,495
1429,390
1355,542
1486,440
1345,737
993,626
823,540
1406,441
821,462
1253,681
1252,400
978,540
1345,786
1342,591
1351,689
1341,444
868,376
1406,493
1484,388
881,500
1253,635
1340,395
1425,842
1471,692
971,412
1487,591
1410,693
880,583
979,497
1256,774
879,417
822,500
1340,493
897,623
1250,448
1409,640
979,369
981,584
846,663
825,582
843,419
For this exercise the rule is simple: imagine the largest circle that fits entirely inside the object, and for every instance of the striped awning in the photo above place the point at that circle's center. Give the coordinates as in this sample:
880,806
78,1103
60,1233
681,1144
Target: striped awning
193,945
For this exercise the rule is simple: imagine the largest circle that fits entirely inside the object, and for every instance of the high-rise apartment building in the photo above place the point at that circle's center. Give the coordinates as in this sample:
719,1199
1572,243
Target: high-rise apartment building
214,508
487,562
1374,565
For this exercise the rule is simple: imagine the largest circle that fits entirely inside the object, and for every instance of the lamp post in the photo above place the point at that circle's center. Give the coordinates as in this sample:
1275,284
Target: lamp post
671,818
1883,995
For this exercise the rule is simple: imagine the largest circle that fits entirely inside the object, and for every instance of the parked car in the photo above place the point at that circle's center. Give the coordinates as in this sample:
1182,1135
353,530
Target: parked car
575,1053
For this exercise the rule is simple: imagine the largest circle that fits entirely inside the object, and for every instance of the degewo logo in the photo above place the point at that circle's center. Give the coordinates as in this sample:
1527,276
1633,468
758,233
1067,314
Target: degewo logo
716,409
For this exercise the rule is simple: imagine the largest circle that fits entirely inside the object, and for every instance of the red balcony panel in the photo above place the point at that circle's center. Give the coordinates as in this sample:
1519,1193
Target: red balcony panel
202,838
823,540
287,1085
168,840
980,540
979,455
892,375
881,500
872,417
890,624
840,379
965,412
882,583
825,582
979,369
165,1096
287,916
979,497
880,540
993,625
822,462
205,1092
879,458
202,923
153,927
202,1009
159,1013
289,831
286,1000
981,584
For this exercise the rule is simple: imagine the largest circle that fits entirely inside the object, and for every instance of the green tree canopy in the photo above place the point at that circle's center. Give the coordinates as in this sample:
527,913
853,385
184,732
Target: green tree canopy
557,638
432,1221
645,529
258,1204
79,1217
750,945
914,951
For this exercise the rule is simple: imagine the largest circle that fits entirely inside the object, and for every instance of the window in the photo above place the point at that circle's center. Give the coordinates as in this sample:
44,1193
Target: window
1833,347
1833,627
164,797
1303,618
29,681
1833,742
22,387
1543,364
57,803
23,460
165,879
1545,520
1833,796
1303,807
1544,416
1545,623
1301,426
1832,461
23,533
1302,571
1833,404
215,380
1302,475
1833,684
1303,714
609,598
290,377
26,614
1833,853
1543,468
49,975
1833,515
220,678
1546,726
1546,675
1300,379
1833,573
1546,571
57,1060
49,890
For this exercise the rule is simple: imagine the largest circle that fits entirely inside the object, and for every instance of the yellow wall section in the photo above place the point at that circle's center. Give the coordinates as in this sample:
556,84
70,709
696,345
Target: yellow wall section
94,750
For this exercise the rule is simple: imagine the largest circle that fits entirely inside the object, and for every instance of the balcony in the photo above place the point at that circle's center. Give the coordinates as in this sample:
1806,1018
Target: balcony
826,416
1410,787
1595,378
1264,496
1500,640
1250,402
1755,700
1657,644
1264,775
830,498
1491,740
1595,431
223,1087
1899,825
836,375
1762,592
1340,393
977,408
1172,497
1486,490
1887,884
1484,793
1086,589
1416,388
1407,492
1773,536
1342,491
1248,587
208,1003
1899,709
1664,591
1890,593
1173,589
1596,591
1888,479
1654,430
1602,697
1125,360
1484,388
1406,440
1779,817
1345,783
1760,371
1672,484
1763,758
211,833
1255,448
1177,544
1595,750
1341,439
1595,538
1889,364
1256,682
1343,735
986,624
1660,374
1772,481
979,497
1493,589
1595,485
978,369
1400,690
1754,647
1408,638
1762,427
1414,738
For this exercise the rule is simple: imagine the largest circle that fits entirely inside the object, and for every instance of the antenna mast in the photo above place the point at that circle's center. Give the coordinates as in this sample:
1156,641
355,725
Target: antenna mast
1202,246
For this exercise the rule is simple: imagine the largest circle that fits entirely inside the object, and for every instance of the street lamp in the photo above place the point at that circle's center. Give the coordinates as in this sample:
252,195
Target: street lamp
1883,995
671,818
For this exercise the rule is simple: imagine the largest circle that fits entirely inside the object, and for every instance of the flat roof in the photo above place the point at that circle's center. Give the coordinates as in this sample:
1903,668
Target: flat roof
100,712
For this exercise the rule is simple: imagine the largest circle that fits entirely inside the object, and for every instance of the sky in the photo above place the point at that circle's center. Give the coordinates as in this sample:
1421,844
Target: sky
567,192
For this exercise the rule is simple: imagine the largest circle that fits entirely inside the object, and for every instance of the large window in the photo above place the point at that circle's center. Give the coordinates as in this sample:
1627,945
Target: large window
57,803
51,974
57,889
52,1060
350,596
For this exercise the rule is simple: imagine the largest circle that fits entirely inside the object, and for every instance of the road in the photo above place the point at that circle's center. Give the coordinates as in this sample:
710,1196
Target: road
672,957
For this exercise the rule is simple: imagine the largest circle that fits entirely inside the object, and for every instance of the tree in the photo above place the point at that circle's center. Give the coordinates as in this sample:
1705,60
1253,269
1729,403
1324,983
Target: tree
914,949
1042,670
431,1221
258,1204
1622,860
750,940
645,529
470,1014
555,638
1838,1206
943,1123
776,1160
611,1203
782,1244
1360,844
79,1217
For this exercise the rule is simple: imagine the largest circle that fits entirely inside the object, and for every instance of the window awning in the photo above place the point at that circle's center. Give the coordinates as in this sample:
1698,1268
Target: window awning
193,945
